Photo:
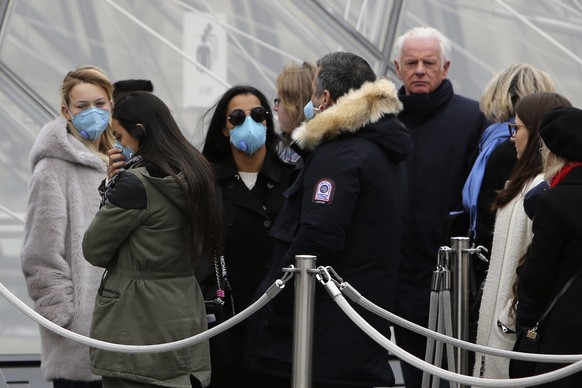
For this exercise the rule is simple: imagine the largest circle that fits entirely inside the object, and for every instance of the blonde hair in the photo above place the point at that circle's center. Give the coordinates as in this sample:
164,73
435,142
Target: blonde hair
510,85
96,76
552,162
294,90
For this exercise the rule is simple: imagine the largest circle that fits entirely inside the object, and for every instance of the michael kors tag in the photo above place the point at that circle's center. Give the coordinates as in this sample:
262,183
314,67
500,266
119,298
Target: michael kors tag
532,334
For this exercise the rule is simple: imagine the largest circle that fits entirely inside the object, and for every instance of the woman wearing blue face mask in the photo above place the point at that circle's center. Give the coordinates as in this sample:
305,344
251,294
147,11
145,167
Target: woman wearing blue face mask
159,218
242,145
69,159
119,155
91,121
294,87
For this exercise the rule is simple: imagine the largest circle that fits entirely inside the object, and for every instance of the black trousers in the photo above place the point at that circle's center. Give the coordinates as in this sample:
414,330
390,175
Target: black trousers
118,383
60,383
270,382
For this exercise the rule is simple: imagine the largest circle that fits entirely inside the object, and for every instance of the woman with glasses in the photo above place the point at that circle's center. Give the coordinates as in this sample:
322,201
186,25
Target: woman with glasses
550,284
497,154
512,233
494,163
294,92
242,145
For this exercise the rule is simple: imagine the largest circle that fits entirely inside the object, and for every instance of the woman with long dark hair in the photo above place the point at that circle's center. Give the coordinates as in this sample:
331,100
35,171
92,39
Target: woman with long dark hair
512,233
550,281
159,218
242,145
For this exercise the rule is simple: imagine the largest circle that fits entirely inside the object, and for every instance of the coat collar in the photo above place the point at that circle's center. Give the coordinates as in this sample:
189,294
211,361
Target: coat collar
55,142
419,107
271,169
571,175
349,114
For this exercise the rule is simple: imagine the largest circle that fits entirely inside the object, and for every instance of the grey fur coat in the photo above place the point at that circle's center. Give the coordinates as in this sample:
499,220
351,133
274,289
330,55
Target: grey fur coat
62,202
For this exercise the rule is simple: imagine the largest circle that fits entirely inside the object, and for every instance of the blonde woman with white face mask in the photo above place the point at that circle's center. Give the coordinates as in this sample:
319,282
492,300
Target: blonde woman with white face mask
68,161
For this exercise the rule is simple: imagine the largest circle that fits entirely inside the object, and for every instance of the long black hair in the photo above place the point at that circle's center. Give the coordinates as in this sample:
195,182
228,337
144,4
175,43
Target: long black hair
162,143
216,146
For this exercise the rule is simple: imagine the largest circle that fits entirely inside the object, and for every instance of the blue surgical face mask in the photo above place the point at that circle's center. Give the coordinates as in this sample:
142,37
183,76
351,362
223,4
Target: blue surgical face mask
91,122
126,151
309,110
249,136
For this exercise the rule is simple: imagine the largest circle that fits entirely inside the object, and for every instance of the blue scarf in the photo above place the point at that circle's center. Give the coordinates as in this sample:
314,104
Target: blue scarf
494,135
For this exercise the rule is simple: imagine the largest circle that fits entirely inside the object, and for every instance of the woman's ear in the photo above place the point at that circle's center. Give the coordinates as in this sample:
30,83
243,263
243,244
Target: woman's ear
140,133
65,112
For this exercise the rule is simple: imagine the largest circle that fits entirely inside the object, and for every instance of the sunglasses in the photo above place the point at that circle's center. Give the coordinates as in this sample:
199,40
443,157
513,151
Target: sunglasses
238,116
276,102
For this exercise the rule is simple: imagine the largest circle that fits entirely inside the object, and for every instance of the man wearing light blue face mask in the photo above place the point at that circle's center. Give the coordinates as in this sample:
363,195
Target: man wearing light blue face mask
310,111
344,207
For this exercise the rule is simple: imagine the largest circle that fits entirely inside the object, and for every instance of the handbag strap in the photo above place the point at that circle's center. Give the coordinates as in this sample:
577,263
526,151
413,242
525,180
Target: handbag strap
221,273
218,271
560,294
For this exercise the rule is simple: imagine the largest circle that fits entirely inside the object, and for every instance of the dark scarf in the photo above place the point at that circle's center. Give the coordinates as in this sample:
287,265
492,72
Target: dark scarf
420,107
105,190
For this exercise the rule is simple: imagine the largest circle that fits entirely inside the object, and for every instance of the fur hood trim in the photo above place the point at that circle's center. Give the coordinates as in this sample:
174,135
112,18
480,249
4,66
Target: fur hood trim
350,113
54,141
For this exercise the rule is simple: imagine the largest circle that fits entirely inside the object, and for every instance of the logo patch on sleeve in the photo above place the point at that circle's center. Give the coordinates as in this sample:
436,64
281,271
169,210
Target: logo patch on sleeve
324,191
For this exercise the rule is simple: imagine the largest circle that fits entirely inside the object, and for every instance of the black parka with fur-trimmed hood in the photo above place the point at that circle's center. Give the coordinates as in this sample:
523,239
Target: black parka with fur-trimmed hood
345,207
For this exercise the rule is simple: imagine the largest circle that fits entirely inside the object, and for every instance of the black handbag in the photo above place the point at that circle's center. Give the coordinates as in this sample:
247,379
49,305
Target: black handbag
218,310
528,341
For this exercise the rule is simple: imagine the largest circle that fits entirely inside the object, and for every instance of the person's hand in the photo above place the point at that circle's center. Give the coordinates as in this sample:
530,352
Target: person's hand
116,162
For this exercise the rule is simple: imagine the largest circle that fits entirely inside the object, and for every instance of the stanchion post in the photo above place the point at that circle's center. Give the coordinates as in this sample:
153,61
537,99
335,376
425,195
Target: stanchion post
303,321
460,292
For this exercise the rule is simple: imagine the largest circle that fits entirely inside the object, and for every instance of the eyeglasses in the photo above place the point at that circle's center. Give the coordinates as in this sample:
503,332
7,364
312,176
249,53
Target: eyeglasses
513,128
276,102
238,116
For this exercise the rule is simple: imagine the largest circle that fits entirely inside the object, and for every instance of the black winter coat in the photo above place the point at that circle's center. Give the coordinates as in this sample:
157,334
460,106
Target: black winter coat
445,130
345,207
248,216
497,171
248,250
553,256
